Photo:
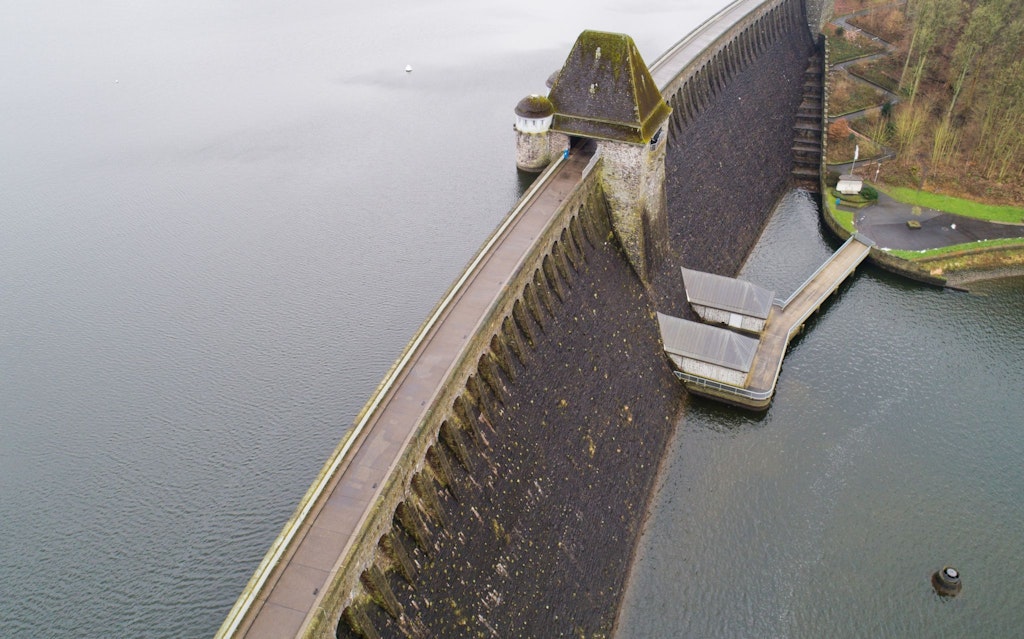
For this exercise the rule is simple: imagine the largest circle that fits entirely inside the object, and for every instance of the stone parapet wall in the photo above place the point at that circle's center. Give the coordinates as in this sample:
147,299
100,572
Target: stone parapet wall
409,512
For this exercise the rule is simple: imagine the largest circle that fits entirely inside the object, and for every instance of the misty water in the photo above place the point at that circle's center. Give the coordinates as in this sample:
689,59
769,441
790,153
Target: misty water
220,224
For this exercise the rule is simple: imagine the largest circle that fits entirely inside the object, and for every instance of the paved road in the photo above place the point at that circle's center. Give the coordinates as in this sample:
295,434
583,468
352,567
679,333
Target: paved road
886,224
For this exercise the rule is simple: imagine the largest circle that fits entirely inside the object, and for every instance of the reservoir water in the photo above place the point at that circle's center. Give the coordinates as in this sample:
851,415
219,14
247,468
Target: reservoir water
221,222
892,448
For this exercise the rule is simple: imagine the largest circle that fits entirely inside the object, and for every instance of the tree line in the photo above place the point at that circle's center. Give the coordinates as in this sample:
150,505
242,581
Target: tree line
962,83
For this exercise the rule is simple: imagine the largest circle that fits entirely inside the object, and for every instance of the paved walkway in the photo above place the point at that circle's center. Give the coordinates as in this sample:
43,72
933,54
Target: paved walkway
287,590
885,223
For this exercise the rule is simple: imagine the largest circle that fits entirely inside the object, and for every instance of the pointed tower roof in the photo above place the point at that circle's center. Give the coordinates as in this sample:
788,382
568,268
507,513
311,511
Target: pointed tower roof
605,91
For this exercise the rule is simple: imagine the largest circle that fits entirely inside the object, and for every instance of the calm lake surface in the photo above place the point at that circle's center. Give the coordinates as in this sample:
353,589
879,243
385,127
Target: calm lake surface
221,222
892,448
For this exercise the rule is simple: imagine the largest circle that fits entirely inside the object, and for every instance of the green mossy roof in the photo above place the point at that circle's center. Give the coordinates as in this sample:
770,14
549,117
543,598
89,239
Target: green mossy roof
535,106
604,90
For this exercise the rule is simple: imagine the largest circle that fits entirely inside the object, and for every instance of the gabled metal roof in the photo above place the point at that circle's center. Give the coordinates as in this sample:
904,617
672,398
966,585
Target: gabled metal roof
726,293
710,344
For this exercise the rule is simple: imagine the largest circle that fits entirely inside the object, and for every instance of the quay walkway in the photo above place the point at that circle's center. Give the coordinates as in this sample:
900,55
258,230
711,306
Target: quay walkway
785,320
289,585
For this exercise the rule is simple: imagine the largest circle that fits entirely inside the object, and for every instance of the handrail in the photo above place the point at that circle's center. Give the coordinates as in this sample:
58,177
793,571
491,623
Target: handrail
763,395
284,539
739,391
855,237
699,31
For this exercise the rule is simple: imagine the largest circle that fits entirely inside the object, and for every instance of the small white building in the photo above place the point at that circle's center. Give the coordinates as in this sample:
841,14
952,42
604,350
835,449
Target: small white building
725,300
536,145
708,352
849,184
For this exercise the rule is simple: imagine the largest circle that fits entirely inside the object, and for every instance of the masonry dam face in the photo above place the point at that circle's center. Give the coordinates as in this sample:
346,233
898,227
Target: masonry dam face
528,511
517,513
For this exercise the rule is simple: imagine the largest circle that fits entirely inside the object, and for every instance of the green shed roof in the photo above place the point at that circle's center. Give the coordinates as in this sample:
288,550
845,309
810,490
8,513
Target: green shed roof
604,90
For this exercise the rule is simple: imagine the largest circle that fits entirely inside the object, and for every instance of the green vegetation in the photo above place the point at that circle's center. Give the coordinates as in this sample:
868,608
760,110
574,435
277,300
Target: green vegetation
963,78
957,248
847,95
958,69
843,218
958,206
883,72
846,7
843,141
847,45
888,23
857,201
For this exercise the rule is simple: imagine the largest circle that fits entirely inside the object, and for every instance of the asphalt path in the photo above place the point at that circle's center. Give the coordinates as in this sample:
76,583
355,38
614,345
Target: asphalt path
885,223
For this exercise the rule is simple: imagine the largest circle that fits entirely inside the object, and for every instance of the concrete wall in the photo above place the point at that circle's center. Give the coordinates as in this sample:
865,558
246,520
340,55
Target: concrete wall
717,373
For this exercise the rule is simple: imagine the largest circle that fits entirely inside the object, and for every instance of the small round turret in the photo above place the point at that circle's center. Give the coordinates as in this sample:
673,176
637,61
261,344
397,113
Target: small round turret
534,115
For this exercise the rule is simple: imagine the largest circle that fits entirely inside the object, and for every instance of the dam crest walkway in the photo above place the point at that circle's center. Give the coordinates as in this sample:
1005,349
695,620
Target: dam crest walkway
297,582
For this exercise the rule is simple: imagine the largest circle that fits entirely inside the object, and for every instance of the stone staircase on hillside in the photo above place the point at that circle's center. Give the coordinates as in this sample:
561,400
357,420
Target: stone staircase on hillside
807,130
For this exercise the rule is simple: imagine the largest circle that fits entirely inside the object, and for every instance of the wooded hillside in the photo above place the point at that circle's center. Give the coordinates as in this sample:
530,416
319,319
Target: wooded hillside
959,125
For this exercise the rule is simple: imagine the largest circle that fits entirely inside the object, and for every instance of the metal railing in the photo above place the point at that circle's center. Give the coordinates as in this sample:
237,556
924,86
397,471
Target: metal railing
728,389
284,539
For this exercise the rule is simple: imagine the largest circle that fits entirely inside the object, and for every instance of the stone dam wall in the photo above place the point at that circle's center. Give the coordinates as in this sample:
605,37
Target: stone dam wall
521,503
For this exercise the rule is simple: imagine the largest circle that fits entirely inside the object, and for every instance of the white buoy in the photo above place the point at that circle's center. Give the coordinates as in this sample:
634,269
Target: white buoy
408,68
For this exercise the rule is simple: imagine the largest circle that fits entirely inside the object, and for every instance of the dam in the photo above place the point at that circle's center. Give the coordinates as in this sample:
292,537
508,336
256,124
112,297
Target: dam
504,491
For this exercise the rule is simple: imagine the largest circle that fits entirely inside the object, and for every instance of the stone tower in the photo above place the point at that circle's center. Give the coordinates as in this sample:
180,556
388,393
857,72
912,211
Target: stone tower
534,144
604,91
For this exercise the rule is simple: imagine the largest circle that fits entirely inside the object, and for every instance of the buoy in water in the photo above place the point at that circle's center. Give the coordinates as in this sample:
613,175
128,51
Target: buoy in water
946,582
408,68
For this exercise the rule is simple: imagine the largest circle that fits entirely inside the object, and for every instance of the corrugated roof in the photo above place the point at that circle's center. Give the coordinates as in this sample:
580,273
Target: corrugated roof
726,293
711,344
604,90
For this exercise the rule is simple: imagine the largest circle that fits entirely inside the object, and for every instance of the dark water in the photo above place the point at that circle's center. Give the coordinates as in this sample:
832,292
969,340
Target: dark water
892,447
220,222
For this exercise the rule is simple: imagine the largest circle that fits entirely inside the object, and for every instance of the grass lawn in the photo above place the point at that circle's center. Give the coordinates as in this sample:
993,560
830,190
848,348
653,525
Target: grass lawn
958,206
884,72
845,218
850,46
956,248
847,95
